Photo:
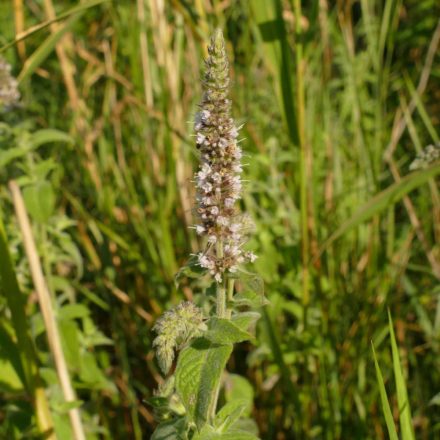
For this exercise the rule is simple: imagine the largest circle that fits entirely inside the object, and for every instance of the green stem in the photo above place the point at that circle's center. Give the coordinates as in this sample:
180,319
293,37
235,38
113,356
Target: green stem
221,290
304,156
230,293
221,300
222,312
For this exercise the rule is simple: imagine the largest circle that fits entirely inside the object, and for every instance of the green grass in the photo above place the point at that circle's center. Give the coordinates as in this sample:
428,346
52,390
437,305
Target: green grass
344,230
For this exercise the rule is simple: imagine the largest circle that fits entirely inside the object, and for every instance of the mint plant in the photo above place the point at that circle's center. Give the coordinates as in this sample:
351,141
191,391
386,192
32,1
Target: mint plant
187,403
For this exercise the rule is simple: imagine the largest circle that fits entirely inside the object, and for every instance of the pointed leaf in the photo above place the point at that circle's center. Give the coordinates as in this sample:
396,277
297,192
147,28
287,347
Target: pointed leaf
230,413
384,399
384,200
198,372
40,200
245,320
402,395
223,331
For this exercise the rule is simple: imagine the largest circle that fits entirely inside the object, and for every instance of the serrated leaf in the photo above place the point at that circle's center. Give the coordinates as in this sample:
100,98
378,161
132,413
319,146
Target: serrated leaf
229,414
245,320
198,372
223,331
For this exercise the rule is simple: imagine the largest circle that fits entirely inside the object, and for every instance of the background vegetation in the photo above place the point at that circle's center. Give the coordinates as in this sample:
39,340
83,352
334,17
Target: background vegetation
337,99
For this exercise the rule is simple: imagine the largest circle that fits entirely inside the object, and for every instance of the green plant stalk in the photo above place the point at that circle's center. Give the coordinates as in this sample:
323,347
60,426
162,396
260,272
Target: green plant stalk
221,291
221,312
304,156
230,296
47,311
304,199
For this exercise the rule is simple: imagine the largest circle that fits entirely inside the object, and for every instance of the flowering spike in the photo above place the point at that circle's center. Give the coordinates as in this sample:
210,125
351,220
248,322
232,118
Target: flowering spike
218,180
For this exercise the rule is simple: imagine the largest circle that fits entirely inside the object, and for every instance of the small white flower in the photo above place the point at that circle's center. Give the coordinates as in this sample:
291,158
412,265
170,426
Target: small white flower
237,153
212,239
233,269
205,114
223,143
236,237
200,138
206,186
229,202
235,251
206,262
252,257
234,227
216,177
200,229
222,221
214,210
204,172
233,132
218,277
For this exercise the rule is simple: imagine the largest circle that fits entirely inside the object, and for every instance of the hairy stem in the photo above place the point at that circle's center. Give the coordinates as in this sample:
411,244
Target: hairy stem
221,290
230,296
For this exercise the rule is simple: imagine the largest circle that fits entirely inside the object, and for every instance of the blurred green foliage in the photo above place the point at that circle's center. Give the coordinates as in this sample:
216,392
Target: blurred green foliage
102,149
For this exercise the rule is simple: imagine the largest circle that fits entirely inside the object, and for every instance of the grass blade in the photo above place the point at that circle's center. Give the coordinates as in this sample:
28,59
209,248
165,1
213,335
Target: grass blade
402,395
26,34
384,399
382,201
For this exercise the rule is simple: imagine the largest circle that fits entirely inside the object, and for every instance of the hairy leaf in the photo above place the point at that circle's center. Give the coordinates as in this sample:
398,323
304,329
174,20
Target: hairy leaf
223,331
198,374
245,320
230,413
